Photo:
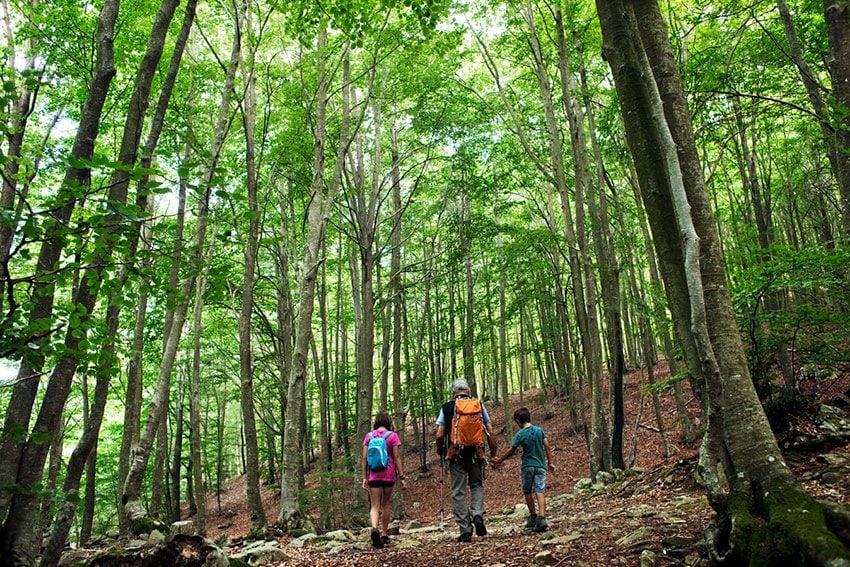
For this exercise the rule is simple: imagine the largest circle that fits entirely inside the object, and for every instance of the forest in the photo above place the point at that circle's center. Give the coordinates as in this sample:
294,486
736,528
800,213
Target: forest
232,231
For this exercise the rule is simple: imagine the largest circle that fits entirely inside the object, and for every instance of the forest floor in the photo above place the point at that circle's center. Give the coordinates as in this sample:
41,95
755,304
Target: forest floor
658,509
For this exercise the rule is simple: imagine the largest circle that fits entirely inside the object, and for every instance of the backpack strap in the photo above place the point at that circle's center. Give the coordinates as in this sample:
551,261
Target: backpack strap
448,410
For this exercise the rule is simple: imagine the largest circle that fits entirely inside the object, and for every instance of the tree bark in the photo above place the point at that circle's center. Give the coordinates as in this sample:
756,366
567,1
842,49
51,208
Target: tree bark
323,379
469,304
837,18
76,181
133,394
503,342
246,366
141,452
395,297
177,455
195,443
755,463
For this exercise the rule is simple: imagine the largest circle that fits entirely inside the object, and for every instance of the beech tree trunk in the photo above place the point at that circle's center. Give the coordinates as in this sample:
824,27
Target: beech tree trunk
755,465
837,18
246,363
503,343
131,497
608,265
195,410
395,298
291,515
176,455
76,182
323,379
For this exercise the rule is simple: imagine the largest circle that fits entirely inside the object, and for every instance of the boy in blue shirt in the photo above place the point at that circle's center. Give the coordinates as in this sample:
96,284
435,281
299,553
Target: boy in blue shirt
534,445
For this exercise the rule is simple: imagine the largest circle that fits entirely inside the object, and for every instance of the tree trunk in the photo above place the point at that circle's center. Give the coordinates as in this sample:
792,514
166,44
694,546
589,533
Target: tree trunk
246,363
339,372
395,298
608,267
17,538
221,413
755,461
76,182
284,312
837,18
192,505
195,443
133,395
469,313
177,455
158,472
291,515
323,376
503,342
52,474
141,453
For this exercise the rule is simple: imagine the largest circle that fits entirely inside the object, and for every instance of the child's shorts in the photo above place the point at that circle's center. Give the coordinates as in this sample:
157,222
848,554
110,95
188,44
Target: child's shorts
533,480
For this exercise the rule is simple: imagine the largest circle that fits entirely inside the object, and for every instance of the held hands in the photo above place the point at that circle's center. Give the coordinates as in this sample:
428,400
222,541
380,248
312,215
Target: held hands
365,484
403,484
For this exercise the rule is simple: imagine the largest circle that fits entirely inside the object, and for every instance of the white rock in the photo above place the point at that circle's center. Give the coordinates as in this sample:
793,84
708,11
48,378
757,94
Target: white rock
186,527
340,535
155,538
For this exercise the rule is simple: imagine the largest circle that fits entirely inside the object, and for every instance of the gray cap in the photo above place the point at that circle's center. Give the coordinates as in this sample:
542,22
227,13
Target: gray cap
459,385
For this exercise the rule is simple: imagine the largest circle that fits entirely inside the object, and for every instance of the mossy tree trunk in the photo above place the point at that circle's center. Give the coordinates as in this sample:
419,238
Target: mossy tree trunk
766,515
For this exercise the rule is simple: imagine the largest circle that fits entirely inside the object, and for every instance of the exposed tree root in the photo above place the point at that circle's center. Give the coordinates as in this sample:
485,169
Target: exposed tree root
784,526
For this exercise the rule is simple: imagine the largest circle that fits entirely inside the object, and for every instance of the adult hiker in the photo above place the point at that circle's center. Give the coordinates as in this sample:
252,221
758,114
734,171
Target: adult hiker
462,427
382,466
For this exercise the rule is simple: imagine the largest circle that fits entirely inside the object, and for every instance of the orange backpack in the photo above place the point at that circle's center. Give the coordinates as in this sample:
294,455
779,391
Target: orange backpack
467,428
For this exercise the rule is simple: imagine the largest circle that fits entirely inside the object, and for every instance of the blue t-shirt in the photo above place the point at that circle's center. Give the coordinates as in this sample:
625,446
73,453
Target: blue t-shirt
531,440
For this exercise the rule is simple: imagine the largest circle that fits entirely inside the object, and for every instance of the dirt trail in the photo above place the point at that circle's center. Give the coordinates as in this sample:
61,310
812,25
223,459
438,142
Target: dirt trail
658,509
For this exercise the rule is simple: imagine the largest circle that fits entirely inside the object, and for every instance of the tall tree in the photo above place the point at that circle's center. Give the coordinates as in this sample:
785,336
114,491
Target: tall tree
75,183
321,198
837,17
131,492
246,362
17,538
754,459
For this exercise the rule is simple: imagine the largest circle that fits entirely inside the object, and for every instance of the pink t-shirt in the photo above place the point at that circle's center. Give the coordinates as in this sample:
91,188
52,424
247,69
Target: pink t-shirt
392,440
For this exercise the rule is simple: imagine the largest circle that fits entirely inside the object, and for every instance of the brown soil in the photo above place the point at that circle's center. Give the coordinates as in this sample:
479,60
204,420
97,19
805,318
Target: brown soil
662,496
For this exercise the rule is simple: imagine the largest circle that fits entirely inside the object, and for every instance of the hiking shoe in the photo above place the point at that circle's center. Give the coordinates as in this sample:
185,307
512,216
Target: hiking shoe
480,528
531,522
376,539
465,537
542,524
385,539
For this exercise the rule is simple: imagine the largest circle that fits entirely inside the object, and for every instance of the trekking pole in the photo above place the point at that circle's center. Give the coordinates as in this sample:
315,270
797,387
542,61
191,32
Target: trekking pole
442,492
